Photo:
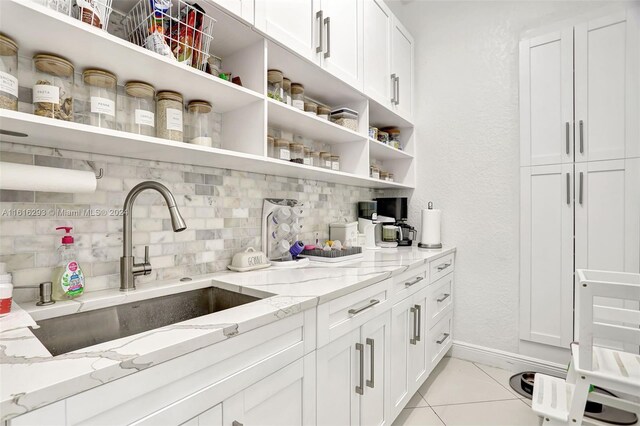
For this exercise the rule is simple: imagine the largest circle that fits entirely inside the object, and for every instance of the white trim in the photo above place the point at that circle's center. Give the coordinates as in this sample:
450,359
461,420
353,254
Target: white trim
506,360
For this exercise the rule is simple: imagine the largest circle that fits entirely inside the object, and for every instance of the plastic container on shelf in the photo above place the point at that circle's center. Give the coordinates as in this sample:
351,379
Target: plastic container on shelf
323,112
315,158
374,172
140,108
200,123
384,175
373,133
297,96
286,90
282,150
325,160
390,177
311,108
53,87
335,162
100,89
345,117
8,73
271,149
297,153
169,110
307,156
275,85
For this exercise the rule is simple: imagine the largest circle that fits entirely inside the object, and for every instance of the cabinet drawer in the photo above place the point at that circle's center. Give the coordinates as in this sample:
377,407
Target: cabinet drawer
439,299
409,282
439,339
440,267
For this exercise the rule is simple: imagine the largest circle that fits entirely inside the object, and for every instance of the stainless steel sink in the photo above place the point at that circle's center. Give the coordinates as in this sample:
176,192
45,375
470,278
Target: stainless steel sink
68,333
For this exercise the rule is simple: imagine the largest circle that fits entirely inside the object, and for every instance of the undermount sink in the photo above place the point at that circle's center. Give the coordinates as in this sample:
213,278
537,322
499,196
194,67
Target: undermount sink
71,332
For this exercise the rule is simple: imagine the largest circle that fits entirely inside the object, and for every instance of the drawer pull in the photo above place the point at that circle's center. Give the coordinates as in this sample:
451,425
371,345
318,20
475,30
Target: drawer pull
445,336
360,387
410,283
414,311
371,303
443,298
419,315
372,383
443,266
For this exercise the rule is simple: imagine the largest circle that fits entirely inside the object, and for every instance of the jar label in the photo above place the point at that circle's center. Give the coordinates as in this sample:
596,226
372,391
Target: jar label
144,118
8,84
327,164
101,105
335,166
307,161
298,104
72,280
46,93
375,175
284,154
174,119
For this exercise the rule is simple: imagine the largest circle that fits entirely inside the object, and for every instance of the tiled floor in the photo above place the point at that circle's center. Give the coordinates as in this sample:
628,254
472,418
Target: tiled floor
464,393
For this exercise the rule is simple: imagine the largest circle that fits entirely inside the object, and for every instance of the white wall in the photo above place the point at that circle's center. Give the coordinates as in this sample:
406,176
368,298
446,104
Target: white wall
468,125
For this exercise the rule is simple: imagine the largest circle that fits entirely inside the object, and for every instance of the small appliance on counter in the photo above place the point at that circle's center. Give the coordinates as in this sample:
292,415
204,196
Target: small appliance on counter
281,224
395,209
431,219
368,224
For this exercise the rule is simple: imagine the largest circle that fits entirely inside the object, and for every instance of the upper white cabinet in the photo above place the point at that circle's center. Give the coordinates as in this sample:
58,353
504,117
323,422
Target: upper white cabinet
402,69
378,22
607,84
241,8
546,99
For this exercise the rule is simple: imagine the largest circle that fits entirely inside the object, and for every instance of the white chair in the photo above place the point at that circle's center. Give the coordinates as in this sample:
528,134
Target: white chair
615,367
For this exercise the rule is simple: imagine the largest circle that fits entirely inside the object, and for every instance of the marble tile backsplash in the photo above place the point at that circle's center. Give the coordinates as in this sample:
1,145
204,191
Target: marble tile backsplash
222,208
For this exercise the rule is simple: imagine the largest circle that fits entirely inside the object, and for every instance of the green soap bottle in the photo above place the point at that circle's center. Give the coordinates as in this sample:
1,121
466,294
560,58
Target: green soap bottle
68,279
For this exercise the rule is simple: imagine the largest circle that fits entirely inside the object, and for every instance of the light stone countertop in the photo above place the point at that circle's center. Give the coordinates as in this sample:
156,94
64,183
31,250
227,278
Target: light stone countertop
31,378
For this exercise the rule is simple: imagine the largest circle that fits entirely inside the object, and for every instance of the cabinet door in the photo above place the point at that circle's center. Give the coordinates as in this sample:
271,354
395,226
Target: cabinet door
546,254
374,404
607,82
293,23
402,67
342,25
418,363
241,8
378,22
339,370
403,332
546,99
211,417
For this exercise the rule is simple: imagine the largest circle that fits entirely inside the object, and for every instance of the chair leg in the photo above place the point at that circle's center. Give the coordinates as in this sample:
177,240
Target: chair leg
579,401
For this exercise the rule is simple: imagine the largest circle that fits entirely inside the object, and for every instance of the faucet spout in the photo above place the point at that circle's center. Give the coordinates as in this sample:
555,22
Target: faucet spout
128,268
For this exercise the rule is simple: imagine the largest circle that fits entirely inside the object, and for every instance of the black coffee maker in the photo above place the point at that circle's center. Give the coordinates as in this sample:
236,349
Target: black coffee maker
396,207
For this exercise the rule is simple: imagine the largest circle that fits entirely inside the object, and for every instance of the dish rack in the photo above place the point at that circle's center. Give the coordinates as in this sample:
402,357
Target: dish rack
172,28
331,256
92,12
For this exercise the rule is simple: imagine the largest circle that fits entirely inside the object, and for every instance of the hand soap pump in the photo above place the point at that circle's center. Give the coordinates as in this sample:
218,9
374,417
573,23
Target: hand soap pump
68,279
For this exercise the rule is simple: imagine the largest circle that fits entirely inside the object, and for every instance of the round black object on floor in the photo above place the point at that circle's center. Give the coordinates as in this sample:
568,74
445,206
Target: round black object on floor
523,384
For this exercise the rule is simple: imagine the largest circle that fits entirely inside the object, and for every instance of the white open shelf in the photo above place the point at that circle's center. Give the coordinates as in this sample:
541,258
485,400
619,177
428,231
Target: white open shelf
383,151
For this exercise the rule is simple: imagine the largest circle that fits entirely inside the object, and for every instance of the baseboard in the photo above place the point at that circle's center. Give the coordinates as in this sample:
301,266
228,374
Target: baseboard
505,360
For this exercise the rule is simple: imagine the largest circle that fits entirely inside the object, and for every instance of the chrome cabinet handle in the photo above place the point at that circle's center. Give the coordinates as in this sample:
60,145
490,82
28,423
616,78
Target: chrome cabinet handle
393,89
443,298
580,193
417,280
320,31
372,371
360,388
413,340
371,303
398,90
419,315
567,131
568,189
443,266
581,137
445,336
327,21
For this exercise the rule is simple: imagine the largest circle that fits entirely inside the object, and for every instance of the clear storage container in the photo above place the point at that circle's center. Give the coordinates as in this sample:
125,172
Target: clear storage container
275,84
297,153
286,91
384,175
345,117
53,87
297,96
374,171
140,108
169,109
325,160
307,156
271,149
335,162
282,150
323,112
311,108
315,158
100,86
200,123
8,73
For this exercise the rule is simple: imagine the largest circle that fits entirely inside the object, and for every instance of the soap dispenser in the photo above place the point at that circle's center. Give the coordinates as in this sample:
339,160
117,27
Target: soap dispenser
68,279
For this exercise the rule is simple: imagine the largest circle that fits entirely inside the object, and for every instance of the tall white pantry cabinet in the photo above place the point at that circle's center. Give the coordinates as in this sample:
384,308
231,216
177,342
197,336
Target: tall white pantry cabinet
580,165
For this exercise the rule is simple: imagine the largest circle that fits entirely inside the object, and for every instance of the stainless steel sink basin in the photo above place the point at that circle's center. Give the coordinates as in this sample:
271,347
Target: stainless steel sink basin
68,333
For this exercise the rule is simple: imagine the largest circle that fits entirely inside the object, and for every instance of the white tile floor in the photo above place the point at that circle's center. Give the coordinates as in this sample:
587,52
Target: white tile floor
464,393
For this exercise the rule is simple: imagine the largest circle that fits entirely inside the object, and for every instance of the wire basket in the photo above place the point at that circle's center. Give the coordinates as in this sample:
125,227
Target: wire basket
92,12
172,28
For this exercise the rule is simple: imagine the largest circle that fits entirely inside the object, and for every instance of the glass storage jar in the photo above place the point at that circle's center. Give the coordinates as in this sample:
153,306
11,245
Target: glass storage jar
8,73
315,158
323,112
311,108
200,123
384,175
325,160
101,88
271,148
297,153
390,177
297,96
282,150
335,162
169,109
274,84
374,172
140,108
286,91
307,156
53,87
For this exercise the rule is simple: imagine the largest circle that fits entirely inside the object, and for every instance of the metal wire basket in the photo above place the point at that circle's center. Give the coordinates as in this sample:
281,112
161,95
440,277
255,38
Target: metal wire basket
92,12
172,28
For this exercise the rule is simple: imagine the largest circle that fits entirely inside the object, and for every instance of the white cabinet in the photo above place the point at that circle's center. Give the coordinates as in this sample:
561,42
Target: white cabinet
211,417
352,376
546,99
607,85
241,8
546,254
378,22
402,69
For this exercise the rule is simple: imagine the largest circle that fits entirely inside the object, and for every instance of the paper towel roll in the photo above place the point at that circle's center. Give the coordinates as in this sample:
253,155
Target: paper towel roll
431,228
25,177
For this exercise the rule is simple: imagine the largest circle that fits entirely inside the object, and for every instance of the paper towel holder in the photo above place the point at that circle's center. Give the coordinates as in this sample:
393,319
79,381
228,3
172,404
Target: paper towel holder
100,173
430,246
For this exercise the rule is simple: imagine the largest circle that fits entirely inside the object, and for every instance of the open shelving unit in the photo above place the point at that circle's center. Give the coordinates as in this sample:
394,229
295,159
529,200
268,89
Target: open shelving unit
246,112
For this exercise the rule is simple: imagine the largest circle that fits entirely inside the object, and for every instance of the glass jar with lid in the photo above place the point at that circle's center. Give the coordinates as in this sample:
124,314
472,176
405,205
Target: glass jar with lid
274,84
374,172
8,73
140,108
100,87
297,96
286,91
53,87
323,112
271,147
307,156
282,150
200,123
315,158
169,109
325,160
311,108
297,153
384,175
390,177
335,162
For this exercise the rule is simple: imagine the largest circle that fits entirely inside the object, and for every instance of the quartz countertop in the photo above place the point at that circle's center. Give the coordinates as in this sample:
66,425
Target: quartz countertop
32,378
